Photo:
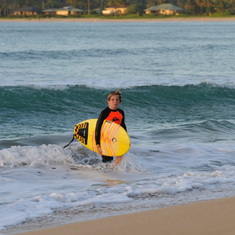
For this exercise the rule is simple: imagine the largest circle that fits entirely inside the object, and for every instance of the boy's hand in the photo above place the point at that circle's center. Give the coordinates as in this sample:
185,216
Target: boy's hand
99,149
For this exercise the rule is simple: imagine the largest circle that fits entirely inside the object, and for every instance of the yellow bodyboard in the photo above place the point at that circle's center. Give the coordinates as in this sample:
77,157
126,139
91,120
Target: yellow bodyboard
114,140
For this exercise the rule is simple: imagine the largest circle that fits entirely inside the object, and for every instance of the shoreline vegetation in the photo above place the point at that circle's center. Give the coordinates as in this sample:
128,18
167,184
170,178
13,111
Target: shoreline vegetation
212,217
120,19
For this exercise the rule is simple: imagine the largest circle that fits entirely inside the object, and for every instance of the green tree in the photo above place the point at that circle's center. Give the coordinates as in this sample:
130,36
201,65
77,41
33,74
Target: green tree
221,5
137,8
190,6
51,4
72,3
116,3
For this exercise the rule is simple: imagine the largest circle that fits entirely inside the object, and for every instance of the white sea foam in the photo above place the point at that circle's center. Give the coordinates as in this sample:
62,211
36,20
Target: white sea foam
52,178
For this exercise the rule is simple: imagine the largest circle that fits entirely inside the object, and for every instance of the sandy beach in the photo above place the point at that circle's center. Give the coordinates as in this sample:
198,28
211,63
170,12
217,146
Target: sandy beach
213,217
171,19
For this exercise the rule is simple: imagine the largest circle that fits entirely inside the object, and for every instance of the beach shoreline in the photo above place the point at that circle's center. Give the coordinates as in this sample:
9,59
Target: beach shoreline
205,217
99,20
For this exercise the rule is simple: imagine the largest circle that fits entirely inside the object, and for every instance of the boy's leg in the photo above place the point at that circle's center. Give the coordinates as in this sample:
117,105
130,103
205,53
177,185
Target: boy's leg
118,160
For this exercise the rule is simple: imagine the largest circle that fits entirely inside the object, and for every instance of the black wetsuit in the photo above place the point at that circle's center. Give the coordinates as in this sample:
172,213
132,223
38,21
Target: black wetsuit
116,116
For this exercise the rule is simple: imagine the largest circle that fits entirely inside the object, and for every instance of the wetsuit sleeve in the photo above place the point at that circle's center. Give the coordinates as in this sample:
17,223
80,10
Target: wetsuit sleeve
99,124
123,120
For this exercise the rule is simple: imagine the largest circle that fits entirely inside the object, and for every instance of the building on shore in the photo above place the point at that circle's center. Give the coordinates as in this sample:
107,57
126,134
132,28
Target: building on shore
26,11
164,9
65,11
114,11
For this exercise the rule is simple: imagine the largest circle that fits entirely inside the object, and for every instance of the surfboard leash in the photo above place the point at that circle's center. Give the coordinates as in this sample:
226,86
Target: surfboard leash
74,136
69,142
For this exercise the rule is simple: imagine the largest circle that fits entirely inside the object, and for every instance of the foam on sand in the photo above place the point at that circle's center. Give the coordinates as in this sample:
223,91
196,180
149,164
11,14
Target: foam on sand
208,217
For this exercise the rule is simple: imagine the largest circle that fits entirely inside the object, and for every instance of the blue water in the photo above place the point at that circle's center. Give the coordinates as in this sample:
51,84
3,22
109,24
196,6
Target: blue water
178,85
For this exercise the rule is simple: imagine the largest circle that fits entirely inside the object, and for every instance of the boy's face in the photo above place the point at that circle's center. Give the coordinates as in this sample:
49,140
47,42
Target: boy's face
114,101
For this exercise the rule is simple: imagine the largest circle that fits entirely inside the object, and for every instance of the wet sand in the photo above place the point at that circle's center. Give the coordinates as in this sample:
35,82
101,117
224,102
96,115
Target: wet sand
213,217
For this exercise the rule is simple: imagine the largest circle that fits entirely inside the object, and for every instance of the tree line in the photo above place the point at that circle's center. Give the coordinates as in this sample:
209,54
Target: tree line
133,6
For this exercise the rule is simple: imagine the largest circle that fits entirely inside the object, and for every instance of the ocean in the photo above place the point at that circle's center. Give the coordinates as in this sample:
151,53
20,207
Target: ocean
178,86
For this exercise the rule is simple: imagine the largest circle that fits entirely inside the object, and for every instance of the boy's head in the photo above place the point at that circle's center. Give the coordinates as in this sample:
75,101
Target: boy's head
112,93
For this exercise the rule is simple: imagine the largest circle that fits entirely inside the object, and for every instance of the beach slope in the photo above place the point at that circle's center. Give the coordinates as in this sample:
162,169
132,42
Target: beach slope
214,217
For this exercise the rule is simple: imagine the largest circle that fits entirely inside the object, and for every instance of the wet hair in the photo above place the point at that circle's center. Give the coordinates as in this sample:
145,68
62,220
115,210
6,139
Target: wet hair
117,92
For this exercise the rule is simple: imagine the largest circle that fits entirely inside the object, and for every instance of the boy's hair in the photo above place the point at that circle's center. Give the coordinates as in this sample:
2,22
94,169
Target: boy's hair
117,92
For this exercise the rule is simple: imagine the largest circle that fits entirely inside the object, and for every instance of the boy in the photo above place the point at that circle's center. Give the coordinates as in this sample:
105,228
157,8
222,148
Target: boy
114,114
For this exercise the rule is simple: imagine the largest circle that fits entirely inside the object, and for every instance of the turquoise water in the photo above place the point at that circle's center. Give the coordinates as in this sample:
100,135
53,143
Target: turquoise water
177,81
206,110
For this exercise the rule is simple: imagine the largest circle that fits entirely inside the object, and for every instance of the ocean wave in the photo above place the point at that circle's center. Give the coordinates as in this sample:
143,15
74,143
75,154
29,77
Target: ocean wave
30,110
206,88
84,100
127,85
18,156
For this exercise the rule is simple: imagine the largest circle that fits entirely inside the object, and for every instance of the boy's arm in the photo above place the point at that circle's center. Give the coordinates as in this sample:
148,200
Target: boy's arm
123,120
98,127
98,130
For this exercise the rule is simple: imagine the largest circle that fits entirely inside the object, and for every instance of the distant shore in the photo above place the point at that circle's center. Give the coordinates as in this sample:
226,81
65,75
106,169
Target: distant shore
170,19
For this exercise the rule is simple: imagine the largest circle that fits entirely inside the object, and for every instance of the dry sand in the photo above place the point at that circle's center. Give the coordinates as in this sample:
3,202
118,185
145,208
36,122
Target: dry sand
213,217
170,19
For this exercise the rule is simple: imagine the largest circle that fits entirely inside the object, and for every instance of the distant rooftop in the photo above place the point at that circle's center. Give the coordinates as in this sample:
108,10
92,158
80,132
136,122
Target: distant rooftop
165,6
